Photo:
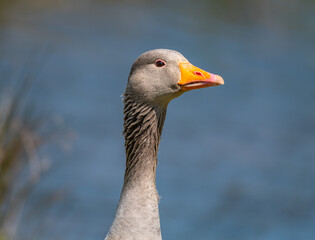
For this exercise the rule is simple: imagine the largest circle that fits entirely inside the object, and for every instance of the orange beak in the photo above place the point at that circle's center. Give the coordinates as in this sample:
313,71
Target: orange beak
194,78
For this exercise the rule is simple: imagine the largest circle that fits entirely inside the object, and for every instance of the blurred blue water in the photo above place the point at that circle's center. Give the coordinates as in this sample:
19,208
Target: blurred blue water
235,162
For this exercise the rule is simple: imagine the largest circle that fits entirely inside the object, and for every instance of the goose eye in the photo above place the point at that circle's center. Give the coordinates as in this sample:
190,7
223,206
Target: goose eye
160,63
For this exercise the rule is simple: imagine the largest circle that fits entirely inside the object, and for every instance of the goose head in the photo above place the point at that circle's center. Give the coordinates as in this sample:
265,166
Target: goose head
160,75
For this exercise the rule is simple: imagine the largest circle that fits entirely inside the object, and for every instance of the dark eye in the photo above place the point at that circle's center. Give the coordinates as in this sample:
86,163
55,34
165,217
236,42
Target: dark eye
160,63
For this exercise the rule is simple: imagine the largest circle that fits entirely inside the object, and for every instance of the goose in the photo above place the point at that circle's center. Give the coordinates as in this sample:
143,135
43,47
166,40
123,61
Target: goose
156,77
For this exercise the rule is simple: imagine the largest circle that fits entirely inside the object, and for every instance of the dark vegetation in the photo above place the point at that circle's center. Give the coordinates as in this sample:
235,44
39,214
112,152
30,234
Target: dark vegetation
22,133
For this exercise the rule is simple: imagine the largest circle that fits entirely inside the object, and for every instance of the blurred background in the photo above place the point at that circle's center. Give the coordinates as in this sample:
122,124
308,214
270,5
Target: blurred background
235,161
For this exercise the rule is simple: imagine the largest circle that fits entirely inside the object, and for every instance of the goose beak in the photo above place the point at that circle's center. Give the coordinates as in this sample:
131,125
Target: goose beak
194,78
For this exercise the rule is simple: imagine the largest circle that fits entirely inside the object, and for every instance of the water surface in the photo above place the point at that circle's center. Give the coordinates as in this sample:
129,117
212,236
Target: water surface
235,162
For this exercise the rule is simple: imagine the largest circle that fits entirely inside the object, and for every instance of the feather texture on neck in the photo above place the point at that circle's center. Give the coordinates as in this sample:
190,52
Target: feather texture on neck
138,205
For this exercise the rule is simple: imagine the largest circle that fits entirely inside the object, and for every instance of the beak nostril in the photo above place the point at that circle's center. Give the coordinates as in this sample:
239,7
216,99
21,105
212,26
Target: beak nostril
199,74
